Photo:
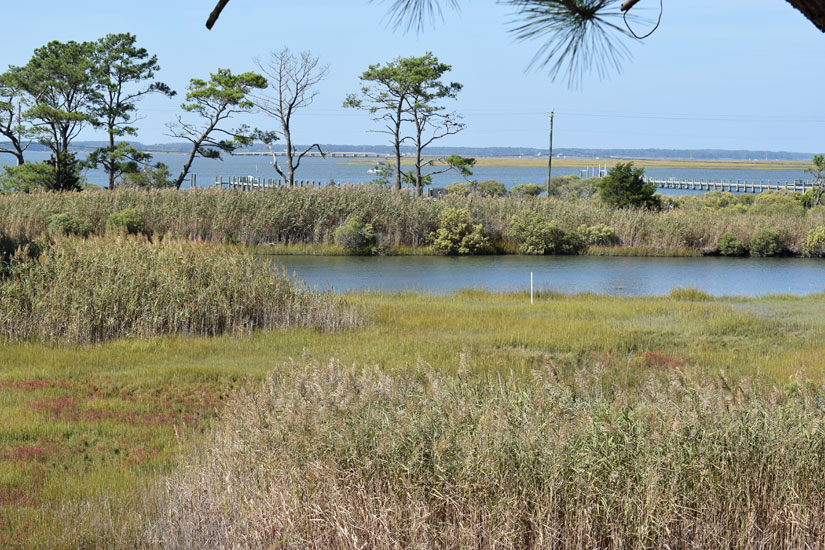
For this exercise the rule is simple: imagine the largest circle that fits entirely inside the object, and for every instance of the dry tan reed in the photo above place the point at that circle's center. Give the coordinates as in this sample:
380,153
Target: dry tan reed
334,457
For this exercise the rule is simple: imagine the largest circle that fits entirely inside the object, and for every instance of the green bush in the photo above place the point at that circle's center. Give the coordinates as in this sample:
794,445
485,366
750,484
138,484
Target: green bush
488,188
492,188
778,203
355,236
765,242
42,176
573,187
535,235
457,234
815,242
149,178
625,186
128,220
730,245
460,189
65,224
526,190
597,235
718,199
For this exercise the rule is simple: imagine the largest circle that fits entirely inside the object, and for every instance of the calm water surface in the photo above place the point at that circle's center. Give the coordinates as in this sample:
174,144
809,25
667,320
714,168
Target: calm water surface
317,169
567,274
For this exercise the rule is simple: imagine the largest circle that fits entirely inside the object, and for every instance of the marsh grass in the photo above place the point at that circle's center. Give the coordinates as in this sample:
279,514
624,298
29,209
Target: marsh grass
334,456
307,216
90,290
83,449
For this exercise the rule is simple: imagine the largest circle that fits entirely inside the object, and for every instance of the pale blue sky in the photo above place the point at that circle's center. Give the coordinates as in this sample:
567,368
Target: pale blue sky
732,74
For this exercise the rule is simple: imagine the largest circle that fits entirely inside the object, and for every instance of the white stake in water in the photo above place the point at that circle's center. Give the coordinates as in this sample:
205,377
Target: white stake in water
531,288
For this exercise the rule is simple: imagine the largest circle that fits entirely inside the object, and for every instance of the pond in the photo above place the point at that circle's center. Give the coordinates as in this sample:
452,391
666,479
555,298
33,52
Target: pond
567,274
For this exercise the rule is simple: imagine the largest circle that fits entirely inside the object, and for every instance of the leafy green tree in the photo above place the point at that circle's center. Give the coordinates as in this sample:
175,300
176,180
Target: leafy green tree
383,94
157,177
13,101
430,120
625,186
120,70
294,80
43,176
214,101
385,172
817,170
59,80
27,177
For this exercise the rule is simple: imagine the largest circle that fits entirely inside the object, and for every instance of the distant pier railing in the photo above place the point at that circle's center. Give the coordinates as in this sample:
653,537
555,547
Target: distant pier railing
253,183
733,186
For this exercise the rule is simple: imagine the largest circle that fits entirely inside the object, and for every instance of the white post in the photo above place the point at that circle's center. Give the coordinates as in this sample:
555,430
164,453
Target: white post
531,288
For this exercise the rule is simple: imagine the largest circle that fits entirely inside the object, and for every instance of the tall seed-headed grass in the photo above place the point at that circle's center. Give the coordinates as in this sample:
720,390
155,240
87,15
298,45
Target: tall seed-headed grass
311,215
330,456
90,290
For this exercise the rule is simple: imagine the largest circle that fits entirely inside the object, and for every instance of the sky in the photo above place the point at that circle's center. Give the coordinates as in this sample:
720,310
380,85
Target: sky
723,74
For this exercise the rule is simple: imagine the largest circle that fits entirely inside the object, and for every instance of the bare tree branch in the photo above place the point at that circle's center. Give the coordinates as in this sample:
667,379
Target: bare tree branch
213,17
293,81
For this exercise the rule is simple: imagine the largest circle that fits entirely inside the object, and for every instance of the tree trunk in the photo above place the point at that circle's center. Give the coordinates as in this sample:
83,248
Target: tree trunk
290,168
419,183
397,136
110,162
186,166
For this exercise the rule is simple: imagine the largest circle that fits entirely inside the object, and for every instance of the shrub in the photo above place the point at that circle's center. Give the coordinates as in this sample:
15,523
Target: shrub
777,203
488,188
492,188
42,176
65,224
573,187
149,178
730,245
815,242
535,235
90,290
128,220
625,186
355,236
718,199
460,189
596,235
526,190
765,242
457,234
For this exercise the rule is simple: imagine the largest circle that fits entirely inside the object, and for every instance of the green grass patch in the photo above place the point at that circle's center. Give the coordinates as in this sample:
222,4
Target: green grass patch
89,427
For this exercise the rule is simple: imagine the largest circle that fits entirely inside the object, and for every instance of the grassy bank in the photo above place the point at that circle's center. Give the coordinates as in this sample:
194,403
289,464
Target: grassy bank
87,431
307,216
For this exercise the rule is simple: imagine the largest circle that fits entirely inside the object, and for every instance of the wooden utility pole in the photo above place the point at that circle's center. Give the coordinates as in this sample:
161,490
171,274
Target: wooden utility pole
550,156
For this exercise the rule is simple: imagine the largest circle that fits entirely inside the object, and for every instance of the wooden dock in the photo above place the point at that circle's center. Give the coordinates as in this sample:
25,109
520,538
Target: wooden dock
732,186
254,183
